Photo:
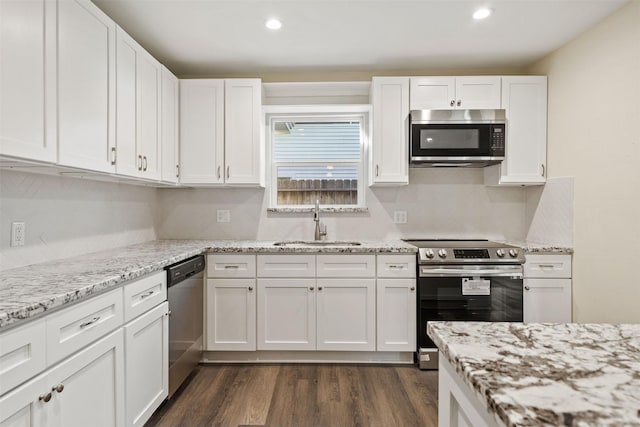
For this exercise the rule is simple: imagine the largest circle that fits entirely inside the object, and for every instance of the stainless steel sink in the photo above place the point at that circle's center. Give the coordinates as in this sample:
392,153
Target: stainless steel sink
316,243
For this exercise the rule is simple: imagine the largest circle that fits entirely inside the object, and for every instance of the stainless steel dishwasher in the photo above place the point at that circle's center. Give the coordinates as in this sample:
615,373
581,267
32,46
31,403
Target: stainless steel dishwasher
185,286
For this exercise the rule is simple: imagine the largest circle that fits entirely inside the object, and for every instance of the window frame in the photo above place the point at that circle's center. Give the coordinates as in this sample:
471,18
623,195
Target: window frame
317,113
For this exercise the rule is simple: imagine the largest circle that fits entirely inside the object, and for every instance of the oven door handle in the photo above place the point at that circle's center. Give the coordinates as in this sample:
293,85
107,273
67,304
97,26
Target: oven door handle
515,272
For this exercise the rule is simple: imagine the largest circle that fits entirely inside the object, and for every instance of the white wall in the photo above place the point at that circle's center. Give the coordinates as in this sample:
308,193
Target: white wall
67,216
594,114
440,203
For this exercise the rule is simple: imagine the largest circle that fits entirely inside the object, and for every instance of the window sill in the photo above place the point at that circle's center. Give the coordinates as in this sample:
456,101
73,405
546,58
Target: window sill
289,210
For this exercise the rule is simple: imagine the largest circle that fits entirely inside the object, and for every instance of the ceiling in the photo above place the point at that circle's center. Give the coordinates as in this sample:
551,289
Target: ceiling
228,37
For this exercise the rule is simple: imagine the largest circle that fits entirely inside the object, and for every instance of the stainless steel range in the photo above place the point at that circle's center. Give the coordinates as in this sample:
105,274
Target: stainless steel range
473,280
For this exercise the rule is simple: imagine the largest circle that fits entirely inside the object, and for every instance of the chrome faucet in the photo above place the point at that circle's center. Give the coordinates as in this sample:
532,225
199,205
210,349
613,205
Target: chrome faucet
320,231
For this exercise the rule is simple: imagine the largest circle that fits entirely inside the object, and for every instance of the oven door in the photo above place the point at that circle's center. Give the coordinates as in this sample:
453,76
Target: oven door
456,142
469,293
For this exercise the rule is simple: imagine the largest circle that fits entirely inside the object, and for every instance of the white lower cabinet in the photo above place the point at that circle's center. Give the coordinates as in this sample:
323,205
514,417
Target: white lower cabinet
231,314
147,364
346,314
396,314
86,389
547,288
287,314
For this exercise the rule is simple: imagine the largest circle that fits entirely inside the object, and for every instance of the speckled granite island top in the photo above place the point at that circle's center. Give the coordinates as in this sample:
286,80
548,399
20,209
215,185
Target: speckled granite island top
548,374
30,291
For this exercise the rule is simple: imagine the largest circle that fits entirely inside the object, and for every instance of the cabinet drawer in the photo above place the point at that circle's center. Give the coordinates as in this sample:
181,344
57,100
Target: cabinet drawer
143,294
346,265
22,354
71,329
544,266
396,266
231,266
286,265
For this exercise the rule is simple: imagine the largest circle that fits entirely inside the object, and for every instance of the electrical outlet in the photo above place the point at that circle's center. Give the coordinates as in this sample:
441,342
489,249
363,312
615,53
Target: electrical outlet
223,215
18,230
400,217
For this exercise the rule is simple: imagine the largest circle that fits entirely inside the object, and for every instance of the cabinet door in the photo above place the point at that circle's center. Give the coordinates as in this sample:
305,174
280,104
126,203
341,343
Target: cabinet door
202,131
390,98
243,153
286,314
525,100
432,93
547,300
231,314
22,407
148,113
476,93
22,354
127,160
91,385
396,315
86,86
346,314
169,122
146,364
27,79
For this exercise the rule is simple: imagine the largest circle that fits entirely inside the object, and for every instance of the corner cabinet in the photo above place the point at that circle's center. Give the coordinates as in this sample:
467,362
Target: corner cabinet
547,288
220,132
86,86
28,80
390,149
525,100
467,93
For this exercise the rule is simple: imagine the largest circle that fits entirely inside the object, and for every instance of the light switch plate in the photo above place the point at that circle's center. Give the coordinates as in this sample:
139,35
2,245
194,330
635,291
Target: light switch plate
18,230
400,217
224,215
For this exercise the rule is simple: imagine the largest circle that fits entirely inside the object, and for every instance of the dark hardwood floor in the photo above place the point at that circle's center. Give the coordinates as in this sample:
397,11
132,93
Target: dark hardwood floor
303,395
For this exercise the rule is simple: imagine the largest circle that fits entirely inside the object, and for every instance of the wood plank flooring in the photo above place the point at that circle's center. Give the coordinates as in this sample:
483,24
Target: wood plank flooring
281,395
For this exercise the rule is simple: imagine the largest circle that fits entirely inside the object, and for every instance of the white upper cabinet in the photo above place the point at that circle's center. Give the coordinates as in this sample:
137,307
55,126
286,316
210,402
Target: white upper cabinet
86,86
242,131
170,170
138,110
469,92
525,100
390,99
220,131
27,79
202,131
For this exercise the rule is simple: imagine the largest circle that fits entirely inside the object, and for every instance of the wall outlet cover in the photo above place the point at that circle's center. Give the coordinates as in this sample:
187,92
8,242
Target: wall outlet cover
400,217
18,230
223,215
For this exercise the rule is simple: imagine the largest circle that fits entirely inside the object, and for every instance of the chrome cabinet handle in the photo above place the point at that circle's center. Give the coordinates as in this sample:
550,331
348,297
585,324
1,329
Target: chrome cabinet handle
230,267
144,158
250,288
113,155
45,397
90,322
527,288
148,294
546,266
377,170
139,162
413,288
218,172
459,103
543,171
177,171
58,388
228,171
452,103
395,267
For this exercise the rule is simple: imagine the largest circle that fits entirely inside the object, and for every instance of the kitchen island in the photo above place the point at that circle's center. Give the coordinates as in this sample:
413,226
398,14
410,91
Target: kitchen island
537,374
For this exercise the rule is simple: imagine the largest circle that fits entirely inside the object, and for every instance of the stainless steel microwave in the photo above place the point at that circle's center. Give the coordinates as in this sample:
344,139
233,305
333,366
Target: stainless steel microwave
456,138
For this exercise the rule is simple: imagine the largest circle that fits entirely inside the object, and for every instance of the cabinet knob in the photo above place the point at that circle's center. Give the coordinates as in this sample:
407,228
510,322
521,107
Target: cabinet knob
459,103
311,288
452,103
250,288
45,397
58,388
413,288
319,288
527,288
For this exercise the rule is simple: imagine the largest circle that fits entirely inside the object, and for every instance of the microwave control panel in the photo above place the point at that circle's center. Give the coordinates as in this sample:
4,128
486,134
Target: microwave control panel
497,140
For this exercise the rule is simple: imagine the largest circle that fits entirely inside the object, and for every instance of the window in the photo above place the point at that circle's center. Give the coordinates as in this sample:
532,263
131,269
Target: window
317,157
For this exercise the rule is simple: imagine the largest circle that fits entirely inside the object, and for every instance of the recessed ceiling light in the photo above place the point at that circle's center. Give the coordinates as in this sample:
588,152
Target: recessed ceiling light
273,24
481,13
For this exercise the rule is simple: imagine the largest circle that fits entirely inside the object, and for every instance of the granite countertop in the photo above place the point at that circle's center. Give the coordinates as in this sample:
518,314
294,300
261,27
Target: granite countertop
541,248
548,374
28,292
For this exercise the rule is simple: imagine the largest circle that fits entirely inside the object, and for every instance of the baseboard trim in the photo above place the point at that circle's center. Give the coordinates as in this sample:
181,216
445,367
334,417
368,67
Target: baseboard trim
386,357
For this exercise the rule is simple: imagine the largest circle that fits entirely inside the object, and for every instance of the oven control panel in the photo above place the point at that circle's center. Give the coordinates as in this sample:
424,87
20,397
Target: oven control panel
471,253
